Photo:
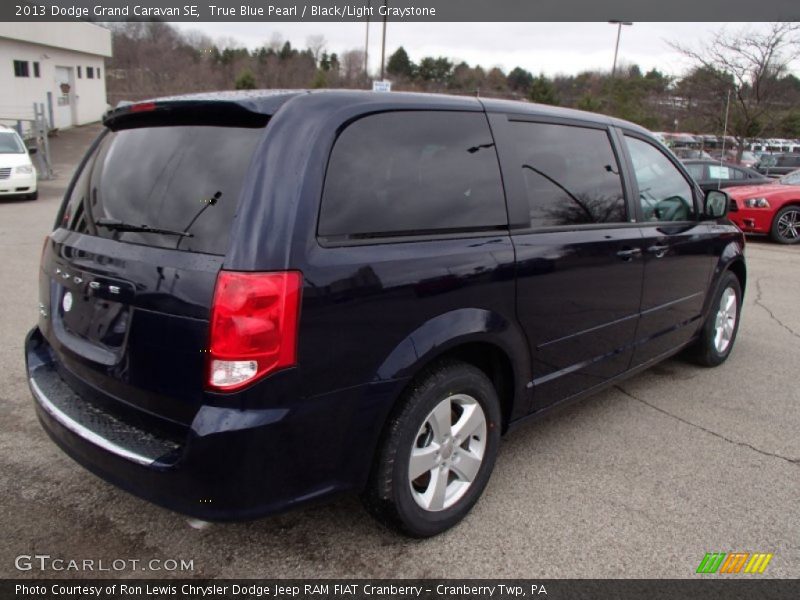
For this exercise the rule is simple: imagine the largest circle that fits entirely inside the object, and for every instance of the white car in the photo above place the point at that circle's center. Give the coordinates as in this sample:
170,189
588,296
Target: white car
17,173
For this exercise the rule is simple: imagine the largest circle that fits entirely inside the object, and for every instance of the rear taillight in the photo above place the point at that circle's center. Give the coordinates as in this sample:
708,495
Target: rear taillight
253,330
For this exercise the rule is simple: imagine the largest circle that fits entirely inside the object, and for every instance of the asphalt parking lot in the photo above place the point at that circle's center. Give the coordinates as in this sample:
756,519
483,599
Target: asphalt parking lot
639,481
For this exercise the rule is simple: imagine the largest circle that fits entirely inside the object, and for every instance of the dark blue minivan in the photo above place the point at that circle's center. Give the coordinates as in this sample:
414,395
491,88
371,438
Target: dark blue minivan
255,300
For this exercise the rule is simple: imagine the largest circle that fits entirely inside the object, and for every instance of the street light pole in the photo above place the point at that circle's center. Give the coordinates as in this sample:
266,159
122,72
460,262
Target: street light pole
619,25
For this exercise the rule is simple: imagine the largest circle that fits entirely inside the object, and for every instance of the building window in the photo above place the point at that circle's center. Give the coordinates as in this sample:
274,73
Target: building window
21,68
89,73
98,72
36,72
80,73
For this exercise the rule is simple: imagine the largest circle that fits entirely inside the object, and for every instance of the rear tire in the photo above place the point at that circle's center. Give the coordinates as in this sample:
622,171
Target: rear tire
437,453
786,225
33,196
722,324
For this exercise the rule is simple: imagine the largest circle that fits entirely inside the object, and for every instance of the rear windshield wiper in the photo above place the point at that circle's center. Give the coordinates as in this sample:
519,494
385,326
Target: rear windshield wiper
120,226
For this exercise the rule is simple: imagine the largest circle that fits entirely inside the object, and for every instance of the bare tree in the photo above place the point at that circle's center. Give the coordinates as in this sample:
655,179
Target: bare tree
275,41
353,68
317,44
750,65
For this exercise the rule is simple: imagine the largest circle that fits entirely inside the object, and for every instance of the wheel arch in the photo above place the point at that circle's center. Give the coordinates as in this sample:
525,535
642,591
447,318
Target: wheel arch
730,259
485,339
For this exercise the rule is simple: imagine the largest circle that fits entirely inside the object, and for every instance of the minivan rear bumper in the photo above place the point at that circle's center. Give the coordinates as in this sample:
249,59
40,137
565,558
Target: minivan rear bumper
231,465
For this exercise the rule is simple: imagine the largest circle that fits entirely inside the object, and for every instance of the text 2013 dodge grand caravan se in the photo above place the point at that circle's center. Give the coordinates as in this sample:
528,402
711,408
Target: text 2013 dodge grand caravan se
255,300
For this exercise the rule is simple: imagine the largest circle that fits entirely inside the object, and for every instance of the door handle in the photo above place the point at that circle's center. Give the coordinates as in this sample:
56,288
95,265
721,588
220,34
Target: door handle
629,253
658,250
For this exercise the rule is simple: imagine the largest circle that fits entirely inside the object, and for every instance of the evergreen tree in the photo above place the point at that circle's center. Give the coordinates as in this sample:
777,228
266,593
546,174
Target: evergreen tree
400,64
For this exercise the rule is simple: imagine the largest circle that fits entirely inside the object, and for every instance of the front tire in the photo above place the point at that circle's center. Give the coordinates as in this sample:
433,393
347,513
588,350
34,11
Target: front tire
722,324
438,451
786,225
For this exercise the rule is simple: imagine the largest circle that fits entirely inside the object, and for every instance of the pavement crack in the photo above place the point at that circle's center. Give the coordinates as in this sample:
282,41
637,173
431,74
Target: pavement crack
760,303
792,461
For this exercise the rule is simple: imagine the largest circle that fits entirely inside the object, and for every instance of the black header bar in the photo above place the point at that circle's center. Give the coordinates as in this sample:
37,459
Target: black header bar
704,587
399,10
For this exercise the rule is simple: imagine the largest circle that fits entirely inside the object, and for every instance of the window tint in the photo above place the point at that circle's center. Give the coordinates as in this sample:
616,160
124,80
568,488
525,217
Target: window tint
695,170
185,179
412,172
664,194
738,174
571,174
788,161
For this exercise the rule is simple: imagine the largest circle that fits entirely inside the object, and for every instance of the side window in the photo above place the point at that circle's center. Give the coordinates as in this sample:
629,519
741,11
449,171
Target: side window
571,174
695,170
406,172
738,174
664,194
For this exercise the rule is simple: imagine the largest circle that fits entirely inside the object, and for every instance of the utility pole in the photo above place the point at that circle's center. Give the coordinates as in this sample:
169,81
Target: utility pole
383,44
366,44
619,25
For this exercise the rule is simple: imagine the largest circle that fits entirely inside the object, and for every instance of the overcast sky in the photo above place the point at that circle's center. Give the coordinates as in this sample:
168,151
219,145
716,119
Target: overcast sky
551,48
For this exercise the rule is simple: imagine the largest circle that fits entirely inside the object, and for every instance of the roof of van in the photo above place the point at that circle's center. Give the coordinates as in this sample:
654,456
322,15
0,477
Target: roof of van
267,102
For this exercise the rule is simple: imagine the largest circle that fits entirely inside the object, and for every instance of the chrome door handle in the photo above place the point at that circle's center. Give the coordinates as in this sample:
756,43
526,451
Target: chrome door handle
629,253
658,250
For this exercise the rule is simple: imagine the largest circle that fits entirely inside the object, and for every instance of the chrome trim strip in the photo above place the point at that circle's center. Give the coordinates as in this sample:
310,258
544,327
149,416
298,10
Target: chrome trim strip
84,432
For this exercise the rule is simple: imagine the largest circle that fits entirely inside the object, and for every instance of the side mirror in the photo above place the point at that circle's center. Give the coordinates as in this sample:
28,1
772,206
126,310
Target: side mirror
716,204
32,151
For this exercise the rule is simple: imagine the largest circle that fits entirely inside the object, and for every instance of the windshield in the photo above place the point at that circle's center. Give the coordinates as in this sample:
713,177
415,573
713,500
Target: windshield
171,187
792,178
10,143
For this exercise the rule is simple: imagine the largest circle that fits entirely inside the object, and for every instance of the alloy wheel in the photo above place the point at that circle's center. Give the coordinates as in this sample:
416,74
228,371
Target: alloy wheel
725,323
789,225
447,453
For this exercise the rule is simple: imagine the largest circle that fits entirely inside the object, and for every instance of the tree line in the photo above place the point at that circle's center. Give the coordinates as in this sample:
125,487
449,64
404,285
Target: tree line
742,75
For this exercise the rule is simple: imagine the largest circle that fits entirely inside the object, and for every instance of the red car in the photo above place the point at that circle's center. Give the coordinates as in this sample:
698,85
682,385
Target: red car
773,208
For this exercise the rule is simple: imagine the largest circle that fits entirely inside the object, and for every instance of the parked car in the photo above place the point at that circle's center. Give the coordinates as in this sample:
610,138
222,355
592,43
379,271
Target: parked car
17,173
748,159
714,175
772,209
775,165
690,153
251,301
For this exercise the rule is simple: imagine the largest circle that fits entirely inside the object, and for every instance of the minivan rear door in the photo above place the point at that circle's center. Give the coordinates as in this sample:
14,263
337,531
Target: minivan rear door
128,275
579,261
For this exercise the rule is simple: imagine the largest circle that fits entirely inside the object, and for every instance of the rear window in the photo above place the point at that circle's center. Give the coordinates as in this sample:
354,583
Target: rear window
413,172
184,179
